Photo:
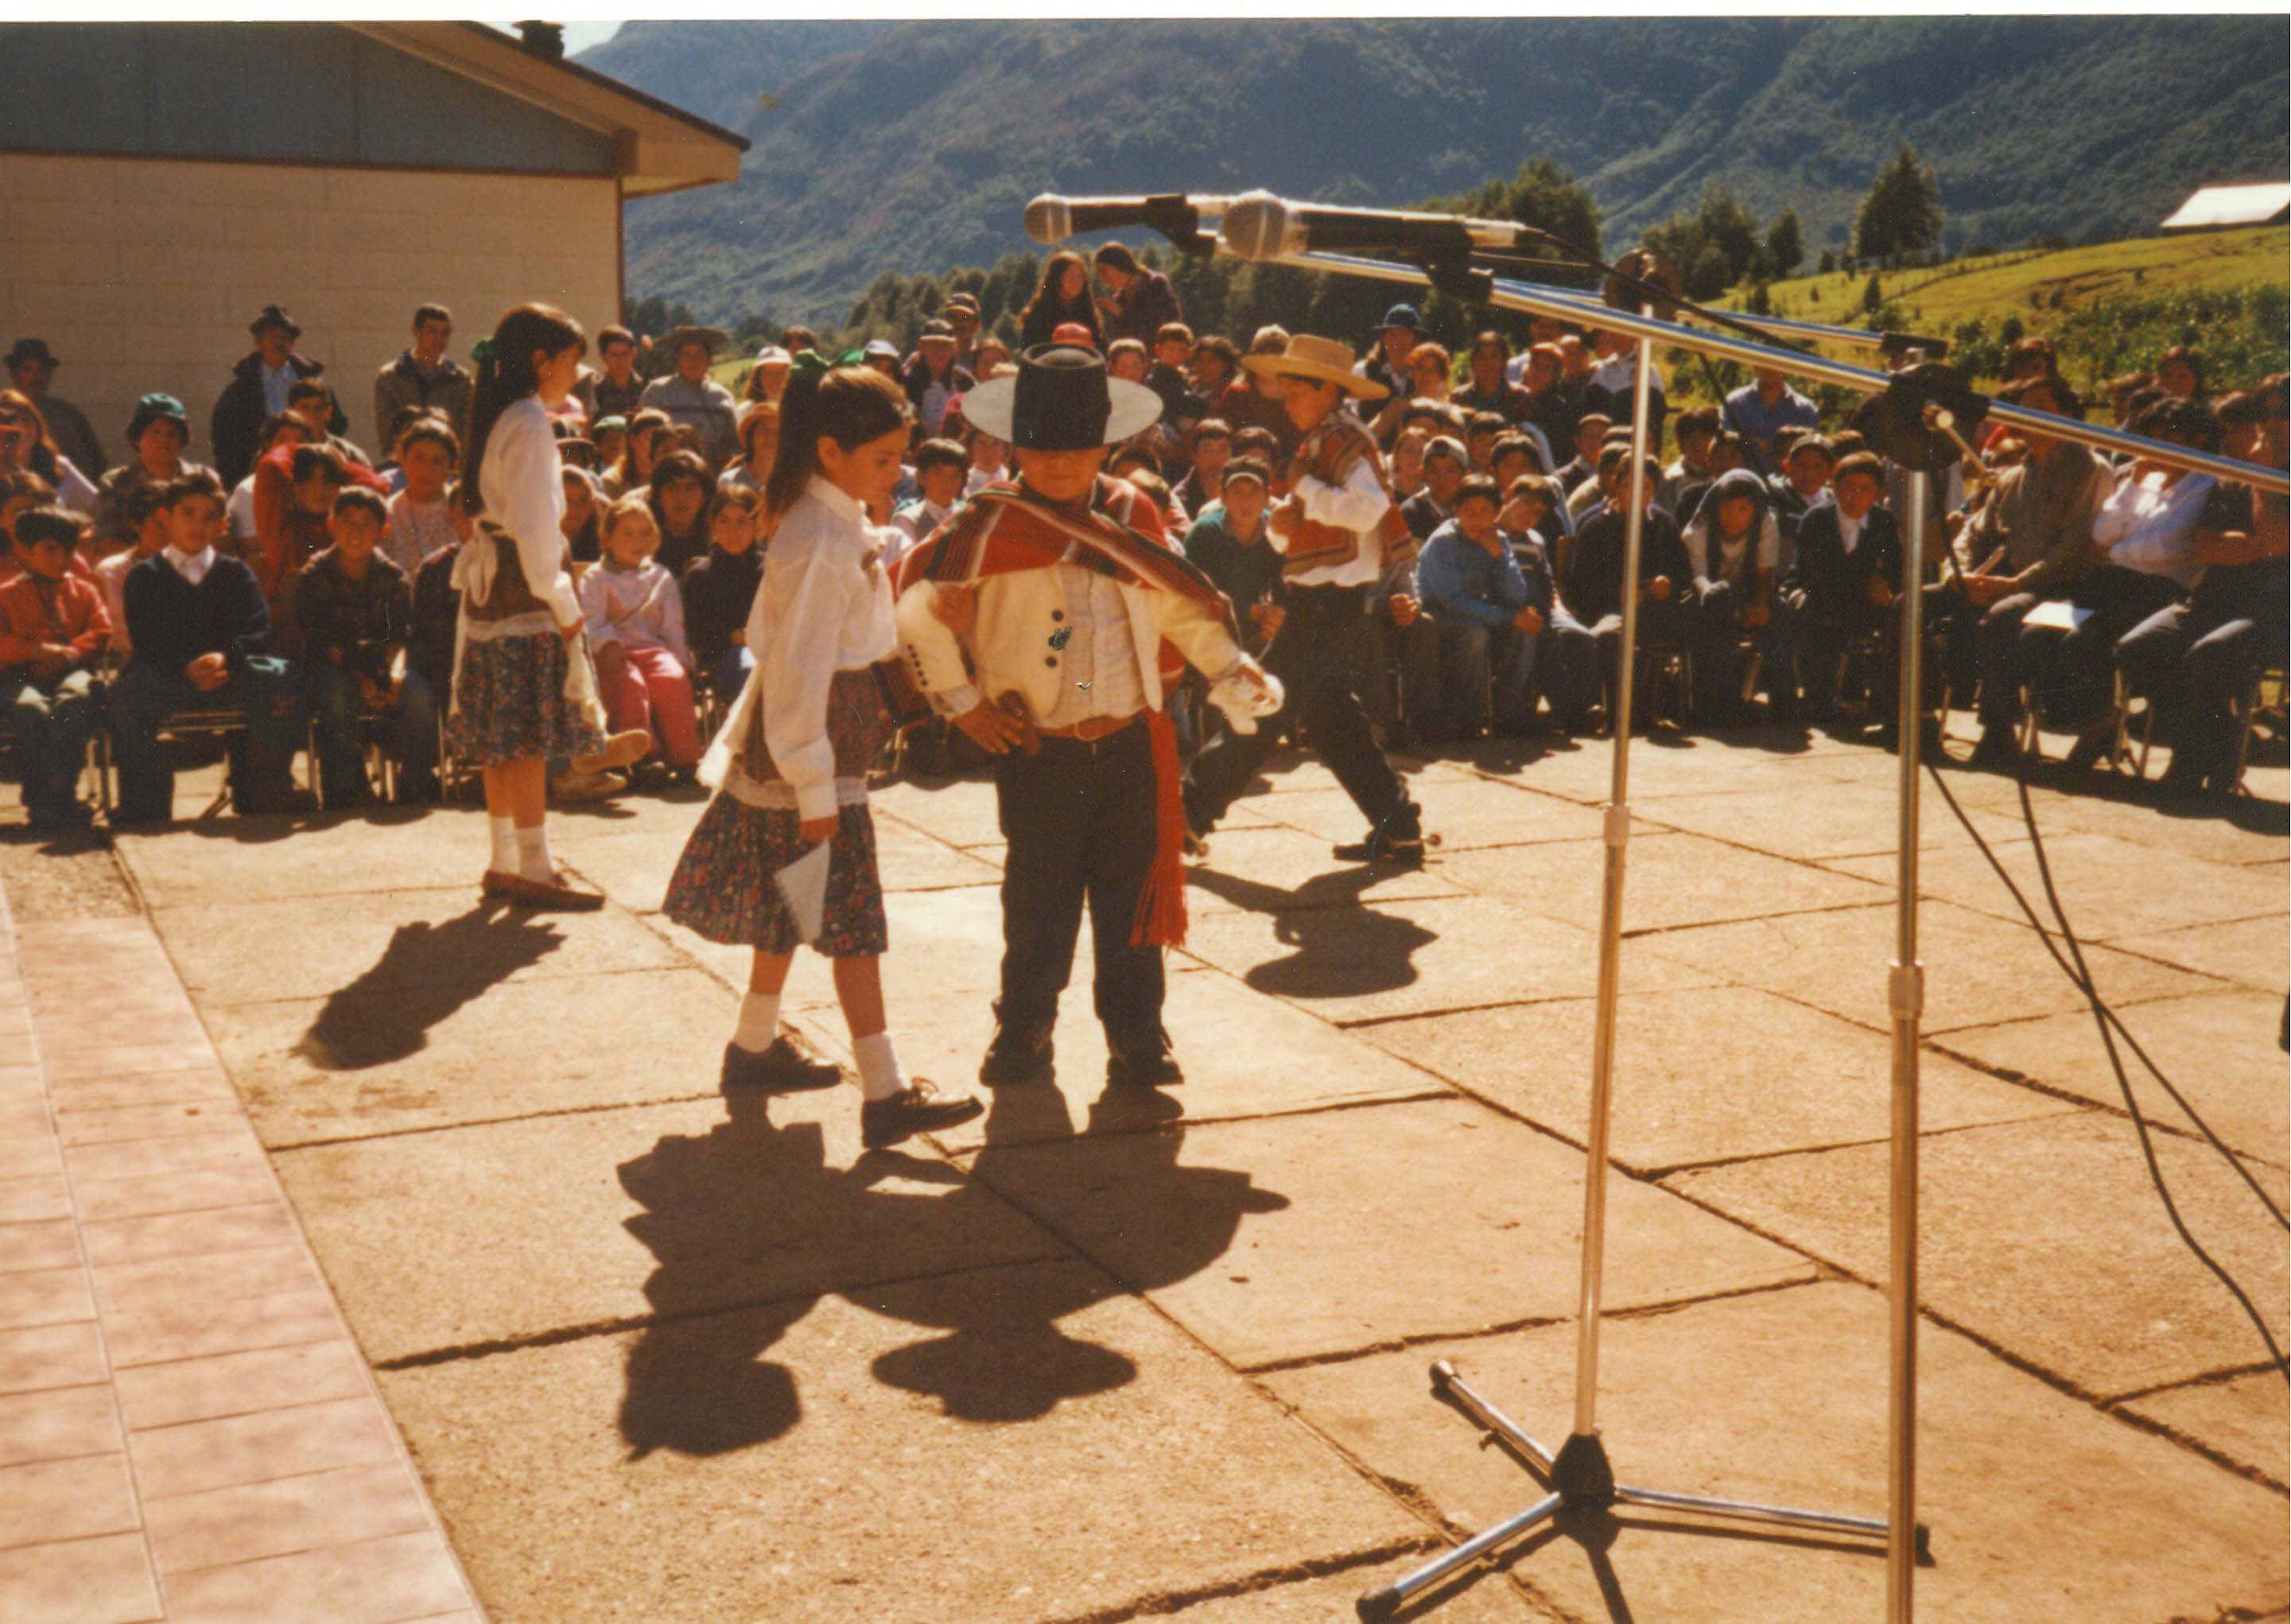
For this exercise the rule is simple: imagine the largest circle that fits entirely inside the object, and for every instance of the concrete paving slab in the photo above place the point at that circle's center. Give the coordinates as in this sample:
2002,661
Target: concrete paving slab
385,947
1412,958
1479,1598
2110,886
1831,820
1362,1226
2244,1419
1465,813
2220,1049
1244,1055
325,1069
920,1458
957,811
1669,879
2240,831
2046,1239
1583,769
1978,970
1702,1075
1273,869
615,1214
2255,952
256,859
2039,1508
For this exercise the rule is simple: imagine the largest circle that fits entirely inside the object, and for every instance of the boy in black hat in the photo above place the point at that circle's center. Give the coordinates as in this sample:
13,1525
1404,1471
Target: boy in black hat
1050,619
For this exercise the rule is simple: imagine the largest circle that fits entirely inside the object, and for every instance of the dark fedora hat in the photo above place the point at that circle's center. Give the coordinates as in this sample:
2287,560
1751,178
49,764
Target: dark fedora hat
1060,400
27,350
274,315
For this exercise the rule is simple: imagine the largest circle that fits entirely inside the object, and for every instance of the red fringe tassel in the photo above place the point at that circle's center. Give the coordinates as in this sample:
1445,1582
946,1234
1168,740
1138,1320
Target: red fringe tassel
1161,905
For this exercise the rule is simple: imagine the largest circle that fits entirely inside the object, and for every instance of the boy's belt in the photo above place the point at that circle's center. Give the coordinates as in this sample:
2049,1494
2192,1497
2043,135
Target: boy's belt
1091,728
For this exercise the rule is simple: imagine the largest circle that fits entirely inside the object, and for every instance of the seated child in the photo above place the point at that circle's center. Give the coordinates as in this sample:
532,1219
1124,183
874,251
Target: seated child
53,628
428,453
1474,592
1735,546
636,628
147,517
941,466
355,608
990,463
294,490
283,428
202,635
720,589
1843,586
1566,671
584,505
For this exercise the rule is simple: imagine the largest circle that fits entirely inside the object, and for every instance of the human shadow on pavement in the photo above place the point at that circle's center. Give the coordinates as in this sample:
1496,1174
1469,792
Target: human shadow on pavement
425,975
747,1211
1343,948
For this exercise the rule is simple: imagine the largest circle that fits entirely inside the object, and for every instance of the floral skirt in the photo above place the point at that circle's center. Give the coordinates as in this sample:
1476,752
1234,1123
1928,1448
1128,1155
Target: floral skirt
723,887
509,703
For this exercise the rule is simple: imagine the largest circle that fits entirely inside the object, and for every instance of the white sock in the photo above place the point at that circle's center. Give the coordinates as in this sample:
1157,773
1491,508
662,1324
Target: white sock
533,859
879,1077
505,845
760,1022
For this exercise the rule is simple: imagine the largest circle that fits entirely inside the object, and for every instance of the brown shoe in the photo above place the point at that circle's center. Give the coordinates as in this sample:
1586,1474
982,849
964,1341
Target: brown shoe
564,896
918,1108
497,882
621,749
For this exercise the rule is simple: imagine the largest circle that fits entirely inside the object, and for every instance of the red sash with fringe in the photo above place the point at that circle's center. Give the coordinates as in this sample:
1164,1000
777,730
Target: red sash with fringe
1002,530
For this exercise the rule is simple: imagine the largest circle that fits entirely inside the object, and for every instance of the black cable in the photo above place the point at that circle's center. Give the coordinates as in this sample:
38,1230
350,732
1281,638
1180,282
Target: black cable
2114,1020
2102,1015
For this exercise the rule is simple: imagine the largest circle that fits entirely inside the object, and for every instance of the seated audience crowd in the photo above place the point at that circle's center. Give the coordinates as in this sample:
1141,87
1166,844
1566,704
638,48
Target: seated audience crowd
298,592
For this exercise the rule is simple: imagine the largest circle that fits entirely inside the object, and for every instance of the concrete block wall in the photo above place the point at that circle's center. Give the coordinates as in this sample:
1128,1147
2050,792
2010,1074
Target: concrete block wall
142,274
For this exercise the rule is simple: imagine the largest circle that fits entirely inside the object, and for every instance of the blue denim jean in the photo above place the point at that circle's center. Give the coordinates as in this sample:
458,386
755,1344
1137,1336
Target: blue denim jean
145,697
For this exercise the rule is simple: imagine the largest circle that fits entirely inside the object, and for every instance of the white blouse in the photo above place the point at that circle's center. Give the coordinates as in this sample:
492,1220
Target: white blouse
523,486
2148,526
825,606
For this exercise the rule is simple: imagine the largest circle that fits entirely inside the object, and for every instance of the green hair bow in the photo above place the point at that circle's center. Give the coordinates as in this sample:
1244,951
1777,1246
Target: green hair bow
484,353
812,365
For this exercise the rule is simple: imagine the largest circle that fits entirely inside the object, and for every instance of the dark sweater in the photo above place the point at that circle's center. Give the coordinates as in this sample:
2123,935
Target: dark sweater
173,623
719,592
1595,578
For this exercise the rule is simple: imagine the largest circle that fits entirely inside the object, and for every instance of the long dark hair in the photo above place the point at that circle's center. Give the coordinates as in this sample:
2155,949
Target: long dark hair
848,404
41,459
1048,307
505,377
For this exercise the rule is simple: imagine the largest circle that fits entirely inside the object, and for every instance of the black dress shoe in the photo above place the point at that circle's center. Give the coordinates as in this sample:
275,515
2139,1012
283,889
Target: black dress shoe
1019,1054
1998,748
1144,1064
917,1108
777,1068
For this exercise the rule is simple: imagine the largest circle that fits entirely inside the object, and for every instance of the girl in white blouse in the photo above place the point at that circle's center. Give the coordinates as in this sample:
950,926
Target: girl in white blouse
790,766
523,688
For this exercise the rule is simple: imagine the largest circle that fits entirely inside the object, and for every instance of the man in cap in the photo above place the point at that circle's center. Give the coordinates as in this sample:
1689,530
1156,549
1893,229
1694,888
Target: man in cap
932,377
257,392
1400,332
960,312
32,369
1050,618
424,375
1344,539
689,396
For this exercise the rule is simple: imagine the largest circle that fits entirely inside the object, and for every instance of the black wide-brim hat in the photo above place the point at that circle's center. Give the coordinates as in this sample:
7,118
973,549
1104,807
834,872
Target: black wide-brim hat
1061,399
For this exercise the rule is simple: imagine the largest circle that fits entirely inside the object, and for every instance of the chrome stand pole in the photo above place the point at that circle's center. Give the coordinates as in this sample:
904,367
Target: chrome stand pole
1580,1476
1905,985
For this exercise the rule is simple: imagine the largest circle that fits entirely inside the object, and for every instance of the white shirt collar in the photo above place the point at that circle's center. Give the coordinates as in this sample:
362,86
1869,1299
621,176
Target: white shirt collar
834,499
192,567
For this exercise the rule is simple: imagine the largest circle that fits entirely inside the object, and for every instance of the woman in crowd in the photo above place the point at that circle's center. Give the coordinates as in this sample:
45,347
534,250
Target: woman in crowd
678,497
721,589
584,512
25,442
1063,296
650,434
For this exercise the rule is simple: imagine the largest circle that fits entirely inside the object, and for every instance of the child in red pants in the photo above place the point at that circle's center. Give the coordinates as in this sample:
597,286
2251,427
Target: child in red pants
636,627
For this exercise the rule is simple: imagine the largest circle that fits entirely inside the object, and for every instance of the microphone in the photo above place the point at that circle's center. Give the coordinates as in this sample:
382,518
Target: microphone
1261,225
1053,219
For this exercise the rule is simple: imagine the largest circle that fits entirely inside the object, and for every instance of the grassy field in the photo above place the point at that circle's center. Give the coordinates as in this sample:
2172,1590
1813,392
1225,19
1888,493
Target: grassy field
2020,284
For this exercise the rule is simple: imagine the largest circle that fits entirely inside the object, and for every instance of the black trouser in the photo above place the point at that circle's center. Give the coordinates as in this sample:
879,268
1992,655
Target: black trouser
2192,660
1316,656
1079,820
2068,669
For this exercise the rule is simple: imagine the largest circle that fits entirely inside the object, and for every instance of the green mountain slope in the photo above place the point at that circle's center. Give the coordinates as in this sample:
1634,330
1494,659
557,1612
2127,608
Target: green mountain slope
914,146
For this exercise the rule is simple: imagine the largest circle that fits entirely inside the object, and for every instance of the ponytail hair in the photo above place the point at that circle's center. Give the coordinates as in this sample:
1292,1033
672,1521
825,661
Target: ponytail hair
505,377
848,404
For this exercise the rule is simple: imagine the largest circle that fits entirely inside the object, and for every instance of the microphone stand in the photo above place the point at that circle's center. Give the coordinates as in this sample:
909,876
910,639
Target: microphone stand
1580,1478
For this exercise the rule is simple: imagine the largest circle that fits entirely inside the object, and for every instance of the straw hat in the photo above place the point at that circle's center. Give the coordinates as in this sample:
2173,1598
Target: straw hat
1323,360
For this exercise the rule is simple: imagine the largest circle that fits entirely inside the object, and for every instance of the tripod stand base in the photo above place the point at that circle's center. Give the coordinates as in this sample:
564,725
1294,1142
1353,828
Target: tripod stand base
1583,1481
